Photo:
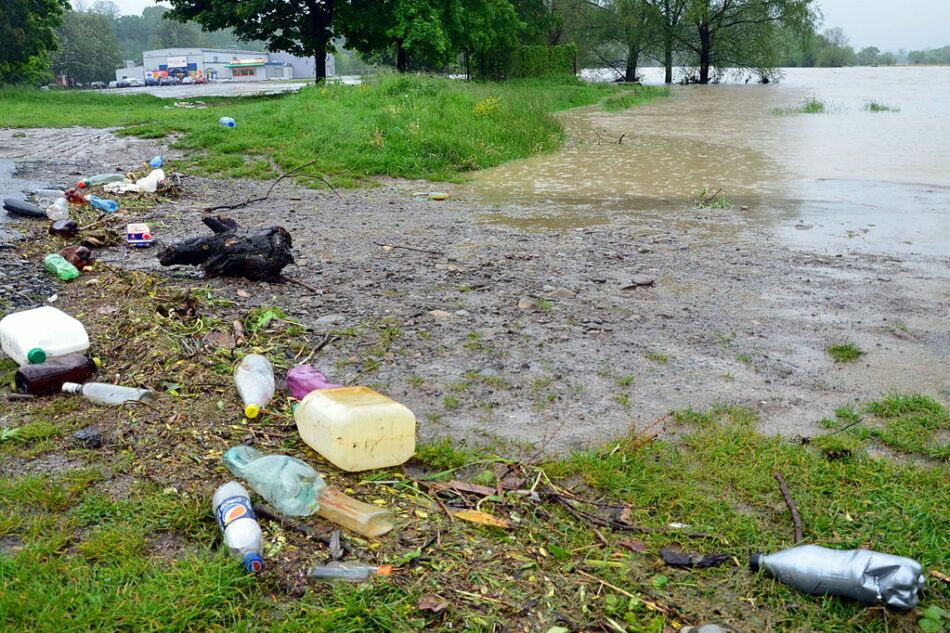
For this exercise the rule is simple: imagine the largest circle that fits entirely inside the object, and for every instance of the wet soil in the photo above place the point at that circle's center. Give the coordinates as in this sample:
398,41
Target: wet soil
526,326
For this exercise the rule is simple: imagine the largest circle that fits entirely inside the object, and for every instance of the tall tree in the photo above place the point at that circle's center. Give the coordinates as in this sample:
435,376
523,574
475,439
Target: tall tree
89,50
170,34
671,20
27,36
741,33
300,27
632,28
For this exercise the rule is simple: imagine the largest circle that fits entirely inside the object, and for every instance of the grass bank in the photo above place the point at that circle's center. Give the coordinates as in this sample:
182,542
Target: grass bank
121,537
408,127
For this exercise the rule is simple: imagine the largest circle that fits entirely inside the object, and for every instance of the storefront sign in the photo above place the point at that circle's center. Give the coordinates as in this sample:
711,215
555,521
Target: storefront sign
177,62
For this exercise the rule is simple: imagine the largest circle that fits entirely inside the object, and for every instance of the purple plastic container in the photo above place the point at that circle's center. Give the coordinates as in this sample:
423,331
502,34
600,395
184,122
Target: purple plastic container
303,379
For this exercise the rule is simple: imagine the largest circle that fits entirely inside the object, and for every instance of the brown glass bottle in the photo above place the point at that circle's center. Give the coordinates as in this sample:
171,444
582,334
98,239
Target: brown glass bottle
46,378
78,256
64,228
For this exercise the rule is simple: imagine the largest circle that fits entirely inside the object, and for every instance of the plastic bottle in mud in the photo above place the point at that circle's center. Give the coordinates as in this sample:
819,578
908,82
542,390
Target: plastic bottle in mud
103,393
46,378
254,378
242,534
58,210
64,228
75,197
871,577
104,204
348,571
100,179
58,265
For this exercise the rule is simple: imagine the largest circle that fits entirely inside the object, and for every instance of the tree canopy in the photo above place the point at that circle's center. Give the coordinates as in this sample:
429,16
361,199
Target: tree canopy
89,50
27,37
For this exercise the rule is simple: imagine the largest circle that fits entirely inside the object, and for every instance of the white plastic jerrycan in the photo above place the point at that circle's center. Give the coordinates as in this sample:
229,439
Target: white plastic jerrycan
356,428
33,336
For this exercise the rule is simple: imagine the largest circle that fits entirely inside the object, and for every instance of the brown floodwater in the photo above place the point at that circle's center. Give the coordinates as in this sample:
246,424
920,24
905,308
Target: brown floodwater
846,178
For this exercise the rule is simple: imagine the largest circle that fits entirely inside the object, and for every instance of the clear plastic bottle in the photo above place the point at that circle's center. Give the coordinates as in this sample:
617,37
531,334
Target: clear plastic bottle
103,393
288,484
58,265
59,210
348,571
303,379
227,121
294,488
104,204
871,577
242,534
254,378
99,179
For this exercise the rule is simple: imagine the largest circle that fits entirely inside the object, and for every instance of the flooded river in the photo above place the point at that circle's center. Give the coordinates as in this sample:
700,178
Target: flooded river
849,177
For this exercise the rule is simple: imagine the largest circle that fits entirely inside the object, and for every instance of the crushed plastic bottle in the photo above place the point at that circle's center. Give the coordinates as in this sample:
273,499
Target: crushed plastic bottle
288,484
254,378
64,228
348,571
113,395
226,121
158,161
242,534
57,264
871,577
294,488
303,379
58,210
146,184
104,204
100,179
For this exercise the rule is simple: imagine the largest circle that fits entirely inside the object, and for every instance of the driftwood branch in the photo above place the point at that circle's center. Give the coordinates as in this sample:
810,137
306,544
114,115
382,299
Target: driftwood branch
792,508
409,248
222,207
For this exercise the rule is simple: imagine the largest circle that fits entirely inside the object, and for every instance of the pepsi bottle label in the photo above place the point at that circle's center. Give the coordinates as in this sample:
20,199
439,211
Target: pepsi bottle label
232,509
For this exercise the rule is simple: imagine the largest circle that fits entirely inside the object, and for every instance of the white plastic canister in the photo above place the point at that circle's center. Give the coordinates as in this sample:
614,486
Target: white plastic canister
32,336
356,428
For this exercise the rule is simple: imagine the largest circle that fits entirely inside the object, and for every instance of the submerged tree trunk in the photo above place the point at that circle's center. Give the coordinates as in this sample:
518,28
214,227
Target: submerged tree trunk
633,56
668,60
705,53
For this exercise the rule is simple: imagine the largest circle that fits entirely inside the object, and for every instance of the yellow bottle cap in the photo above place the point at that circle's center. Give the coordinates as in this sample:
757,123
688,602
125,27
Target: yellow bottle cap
252,411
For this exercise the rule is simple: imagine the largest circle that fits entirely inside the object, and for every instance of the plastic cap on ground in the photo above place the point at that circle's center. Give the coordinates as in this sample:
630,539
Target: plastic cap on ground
252,411
36,355
253,563
755,562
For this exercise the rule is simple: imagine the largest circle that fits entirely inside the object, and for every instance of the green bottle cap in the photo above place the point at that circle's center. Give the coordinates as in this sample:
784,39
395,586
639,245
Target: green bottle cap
36,355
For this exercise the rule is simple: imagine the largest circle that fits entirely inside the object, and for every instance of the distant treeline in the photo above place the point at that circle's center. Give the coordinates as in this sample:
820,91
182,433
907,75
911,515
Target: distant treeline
830,48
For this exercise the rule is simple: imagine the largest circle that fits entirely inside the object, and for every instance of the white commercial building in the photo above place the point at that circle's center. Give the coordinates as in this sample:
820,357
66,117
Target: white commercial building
215,63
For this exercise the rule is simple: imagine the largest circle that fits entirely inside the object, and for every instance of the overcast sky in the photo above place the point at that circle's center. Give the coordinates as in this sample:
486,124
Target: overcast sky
887,24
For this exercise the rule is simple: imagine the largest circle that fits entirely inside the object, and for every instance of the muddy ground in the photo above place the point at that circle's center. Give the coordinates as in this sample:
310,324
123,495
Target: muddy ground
544,335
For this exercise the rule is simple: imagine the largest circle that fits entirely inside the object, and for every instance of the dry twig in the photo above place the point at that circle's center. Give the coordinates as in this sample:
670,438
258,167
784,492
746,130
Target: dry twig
409,248
796,520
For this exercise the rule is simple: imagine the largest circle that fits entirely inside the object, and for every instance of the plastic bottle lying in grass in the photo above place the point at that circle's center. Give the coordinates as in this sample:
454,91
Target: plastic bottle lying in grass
58,265
254,378
296,489
871,577
348,571
242,534
113,395
227,121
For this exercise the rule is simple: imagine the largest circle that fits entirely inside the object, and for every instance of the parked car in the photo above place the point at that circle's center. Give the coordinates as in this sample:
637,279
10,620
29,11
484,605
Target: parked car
121,83
187,80
134,83
98,85
151,81
200,80
169,81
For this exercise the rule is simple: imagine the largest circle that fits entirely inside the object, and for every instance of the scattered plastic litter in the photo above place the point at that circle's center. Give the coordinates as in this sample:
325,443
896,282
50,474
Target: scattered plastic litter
254,377
303,379
242,534
158,161
147,184
47,378
79,256
867,576
57,264
58,210
439,195
138,235
23,208
64,228
104,204
33,336
357,428
112,395
100,179
348,571
227,121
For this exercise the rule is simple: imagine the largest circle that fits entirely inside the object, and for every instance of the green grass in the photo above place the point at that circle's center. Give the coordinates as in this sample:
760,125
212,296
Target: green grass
631,97
874,106
400,126
808,106
844,353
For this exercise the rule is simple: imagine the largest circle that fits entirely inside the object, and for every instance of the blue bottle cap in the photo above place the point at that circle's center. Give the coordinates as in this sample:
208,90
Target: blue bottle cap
253,563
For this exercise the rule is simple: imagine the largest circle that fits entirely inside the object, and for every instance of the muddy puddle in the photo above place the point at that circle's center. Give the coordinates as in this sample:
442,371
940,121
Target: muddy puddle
846,179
